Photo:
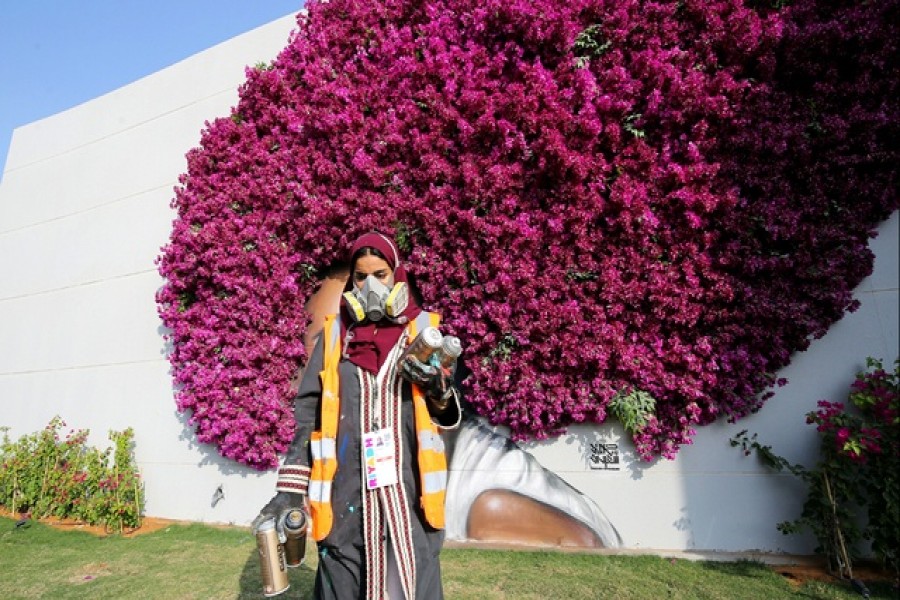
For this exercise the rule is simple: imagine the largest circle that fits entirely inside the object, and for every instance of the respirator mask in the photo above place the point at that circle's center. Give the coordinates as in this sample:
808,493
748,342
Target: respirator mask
375,301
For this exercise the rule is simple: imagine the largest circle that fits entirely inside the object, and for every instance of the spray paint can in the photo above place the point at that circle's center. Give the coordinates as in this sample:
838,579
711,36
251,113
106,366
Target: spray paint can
425,344
295,532
271,559
449,351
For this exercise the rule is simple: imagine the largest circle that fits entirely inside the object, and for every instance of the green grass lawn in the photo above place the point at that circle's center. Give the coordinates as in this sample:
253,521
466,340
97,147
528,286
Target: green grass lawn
199,561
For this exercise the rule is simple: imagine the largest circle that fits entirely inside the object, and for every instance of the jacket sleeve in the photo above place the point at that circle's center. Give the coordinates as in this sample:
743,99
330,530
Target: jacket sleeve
293,476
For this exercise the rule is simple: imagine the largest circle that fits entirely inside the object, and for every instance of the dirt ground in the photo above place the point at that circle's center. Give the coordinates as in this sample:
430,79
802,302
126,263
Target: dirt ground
148,525
797,575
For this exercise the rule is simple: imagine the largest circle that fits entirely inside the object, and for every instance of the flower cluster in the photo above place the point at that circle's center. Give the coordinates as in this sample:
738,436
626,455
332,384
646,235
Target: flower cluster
857,443
660,198
857,477
862,434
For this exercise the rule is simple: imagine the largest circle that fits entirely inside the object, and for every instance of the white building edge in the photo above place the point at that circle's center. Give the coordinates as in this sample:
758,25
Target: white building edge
84,210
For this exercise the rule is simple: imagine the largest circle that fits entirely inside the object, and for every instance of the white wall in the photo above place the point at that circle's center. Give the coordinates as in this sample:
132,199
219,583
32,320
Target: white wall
84,209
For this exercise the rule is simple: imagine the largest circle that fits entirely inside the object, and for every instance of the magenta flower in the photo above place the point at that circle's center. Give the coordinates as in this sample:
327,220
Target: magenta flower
842,435
670,197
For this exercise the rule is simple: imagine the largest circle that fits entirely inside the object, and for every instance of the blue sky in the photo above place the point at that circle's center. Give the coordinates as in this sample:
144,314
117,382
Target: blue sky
56,54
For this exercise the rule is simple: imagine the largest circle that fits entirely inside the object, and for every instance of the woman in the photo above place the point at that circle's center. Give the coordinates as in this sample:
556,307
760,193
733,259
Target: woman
367,456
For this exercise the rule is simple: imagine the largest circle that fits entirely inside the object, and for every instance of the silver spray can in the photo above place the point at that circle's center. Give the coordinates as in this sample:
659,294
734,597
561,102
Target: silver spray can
295,532
425,344
449,351
271,559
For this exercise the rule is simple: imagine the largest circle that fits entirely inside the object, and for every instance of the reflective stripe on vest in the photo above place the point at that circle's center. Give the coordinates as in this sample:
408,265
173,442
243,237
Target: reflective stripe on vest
431,457
323,443
319,491
432,460
435,482
431,440
324,448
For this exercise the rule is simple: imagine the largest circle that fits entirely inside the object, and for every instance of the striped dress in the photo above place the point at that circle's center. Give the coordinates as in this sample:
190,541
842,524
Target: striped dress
380,545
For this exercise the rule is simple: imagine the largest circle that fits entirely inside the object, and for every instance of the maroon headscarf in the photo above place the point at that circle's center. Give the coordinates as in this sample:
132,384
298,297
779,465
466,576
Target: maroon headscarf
370,343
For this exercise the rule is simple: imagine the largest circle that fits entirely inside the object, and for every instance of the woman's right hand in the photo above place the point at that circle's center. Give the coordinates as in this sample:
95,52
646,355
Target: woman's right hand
278,508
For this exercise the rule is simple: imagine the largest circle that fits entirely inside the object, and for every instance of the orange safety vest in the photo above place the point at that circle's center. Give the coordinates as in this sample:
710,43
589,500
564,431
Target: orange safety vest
323,443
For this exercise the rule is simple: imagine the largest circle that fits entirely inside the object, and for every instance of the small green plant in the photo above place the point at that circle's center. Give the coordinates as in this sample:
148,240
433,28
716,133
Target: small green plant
858,473
589,44
633,409
503,350
45,476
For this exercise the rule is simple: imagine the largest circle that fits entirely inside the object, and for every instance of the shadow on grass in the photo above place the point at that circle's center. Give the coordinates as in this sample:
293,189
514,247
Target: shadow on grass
741,568
301,579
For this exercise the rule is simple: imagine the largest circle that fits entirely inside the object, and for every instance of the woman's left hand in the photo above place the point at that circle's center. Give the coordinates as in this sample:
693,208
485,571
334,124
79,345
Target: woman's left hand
437,383
415,371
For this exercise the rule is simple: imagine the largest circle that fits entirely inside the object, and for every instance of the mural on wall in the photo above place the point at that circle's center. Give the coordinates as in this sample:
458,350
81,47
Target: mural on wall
260,216
656,178
496,491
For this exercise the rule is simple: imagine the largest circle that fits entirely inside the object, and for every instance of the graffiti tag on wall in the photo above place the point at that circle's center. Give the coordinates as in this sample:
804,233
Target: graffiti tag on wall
604,457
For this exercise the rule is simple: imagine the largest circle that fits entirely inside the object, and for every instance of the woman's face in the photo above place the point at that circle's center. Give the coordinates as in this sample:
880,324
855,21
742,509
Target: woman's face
370,264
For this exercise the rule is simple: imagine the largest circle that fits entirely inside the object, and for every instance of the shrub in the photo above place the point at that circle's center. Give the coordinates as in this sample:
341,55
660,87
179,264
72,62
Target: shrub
47,476
858,472
654,201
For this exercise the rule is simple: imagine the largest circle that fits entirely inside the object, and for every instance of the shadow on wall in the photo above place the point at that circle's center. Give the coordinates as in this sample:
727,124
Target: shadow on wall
167,347
607,447
752,499
209,453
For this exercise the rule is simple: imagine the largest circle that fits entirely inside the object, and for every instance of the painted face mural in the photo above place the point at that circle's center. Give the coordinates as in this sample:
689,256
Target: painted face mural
496,491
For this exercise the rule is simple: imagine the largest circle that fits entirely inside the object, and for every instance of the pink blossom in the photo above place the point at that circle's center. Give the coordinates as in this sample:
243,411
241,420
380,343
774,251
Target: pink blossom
597,196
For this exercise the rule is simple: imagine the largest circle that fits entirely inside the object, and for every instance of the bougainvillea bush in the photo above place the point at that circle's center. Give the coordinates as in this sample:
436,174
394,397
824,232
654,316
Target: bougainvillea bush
633,208
42,475
853,492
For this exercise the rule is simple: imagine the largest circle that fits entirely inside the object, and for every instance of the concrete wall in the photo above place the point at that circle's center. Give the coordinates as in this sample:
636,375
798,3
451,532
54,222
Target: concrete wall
84,209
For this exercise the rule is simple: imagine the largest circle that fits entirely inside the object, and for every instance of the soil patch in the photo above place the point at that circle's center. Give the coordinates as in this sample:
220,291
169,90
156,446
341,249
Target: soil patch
148,524
797,575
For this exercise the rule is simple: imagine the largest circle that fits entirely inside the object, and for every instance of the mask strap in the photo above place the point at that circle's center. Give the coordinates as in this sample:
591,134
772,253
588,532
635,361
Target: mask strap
348,337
